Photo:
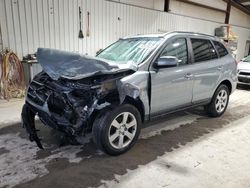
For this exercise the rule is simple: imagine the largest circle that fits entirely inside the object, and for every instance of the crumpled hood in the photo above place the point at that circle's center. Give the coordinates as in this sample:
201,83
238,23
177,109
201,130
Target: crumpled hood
57,63
244,66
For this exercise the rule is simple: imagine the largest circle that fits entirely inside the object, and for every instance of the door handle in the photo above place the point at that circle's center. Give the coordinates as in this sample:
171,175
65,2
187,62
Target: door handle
189,76
220,68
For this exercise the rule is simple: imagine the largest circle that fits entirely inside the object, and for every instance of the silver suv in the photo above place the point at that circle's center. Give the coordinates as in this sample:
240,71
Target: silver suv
132,81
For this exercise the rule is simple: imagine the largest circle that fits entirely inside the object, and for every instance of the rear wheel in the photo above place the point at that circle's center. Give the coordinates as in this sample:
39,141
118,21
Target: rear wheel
116,131
219,102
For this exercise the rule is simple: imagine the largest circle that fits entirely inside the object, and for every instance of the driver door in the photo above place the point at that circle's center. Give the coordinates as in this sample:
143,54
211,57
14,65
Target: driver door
171,88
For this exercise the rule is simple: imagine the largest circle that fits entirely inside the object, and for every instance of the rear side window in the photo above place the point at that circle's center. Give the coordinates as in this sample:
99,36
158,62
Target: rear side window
178,49
203,50
220,48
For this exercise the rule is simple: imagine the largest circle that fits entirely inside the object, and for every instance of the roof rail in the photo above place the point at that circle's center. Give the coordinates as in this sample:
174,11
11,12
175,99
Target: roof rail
189,32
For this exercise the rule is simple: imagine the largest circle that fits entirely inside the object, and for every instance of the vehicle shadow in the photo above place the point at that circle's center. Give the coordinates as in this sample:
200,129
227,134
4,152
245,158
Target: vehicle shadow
92,170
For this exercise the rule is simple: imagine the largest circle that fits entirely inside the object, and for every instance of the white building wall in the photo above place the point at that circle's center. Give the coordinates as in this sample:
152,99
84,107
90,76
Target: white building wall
196,11
29,24
150,4
237,17
1,44
159,5
240,18
142,3
213,3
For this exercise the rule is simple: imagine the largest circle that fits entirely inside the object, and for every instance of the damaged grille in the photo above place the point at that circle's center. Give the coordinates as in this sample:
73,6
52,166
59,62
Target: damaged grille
62,101
56,103
42,89
38,93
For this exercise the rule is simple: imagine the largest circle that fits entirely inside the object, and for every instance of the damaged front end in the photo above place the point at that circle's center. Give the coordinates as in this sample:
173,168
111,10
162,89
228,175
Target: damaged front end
70,104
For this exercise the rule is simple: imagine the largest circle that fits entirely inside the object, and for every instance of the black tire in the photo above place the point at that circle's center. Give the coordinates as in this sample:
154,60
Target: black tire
211,107
102,127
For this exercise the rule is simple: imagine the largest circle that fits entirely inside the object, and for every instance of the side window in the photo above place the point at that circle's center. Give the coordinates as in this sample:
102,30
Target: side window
220,48
178,49
203,50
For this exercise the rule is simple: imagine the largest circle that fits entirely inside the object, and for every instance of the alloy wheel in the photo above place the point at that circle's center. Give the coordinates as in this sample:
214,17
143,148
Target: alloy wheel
221,101
122,130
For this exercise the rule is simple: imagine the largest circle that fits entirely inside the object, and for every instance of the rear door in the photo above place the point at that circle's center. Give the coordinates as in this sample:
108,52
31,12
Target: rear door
172,87
206,69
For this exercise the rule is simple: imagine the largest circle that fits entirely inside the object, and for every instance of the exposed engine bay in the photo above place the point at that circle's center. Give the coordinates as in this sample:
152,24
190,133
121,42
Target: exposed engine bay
68,100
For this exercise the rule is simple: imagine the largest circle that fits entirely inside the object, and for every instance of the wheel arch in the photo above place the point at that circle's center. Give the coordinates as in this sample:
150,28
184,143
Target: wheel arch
136,103
227,83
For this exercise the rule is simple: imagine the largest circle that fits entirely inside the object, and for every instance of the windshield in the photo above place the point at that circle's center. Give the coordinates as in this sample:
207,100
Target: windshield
133,49
247,59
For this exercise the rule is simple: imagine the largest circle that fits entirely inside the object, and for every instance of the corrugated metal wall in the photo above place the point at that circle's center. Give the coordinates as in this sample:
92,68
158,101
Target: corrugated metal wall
29,24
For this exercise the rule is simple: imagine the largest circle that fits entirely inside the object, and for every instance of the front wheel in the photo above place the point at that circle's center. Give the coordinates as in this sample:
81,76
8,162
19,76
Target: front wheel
219,102
116,131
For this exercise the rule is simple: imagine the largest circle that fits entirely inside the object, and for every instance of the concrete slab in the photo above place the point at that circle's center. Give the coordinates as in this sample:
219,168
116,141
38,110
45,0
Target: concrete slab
220,160
187,149
10,112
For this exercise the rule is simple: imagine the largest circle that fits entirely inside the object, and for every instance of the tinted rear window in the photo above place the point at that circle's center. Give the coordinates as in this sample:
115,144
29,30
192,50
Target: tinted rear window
203,50
220,48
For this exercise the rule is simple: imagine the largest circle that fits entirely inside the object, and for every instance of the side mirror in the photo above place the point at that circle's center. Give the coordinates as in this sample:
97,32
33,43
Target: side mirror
167,61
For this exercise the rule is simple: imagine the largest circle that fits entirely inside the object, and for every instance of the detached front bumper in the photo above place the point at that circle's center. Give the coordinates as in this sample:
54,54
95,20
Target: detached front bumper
28,120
